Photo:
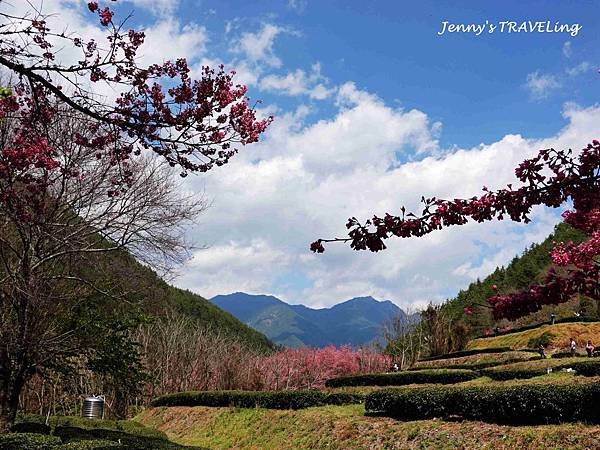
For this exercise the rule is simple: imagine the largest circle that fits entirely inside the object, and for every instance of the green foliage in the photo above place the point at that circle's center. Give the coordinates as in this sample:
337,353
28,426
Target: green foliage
443,376
516,404
258,399
478,366
90,445
126,426
560,355
31,427
128,441
28,441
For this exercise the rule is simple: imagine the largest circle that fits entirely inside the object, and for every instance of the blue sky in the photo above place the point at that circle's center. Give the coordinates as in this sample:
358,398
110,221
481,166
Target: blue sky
373,109
475,85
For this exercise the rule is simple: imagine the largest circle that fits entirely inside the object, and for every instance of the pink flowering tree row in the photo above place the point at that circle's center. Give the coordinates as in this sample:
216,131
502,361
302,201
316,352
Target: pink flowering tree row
307,368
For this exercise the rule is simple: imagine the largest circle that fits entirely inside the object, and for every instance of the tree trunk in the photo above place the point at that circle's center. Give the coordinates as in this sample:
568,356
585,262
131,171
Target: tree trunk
11,385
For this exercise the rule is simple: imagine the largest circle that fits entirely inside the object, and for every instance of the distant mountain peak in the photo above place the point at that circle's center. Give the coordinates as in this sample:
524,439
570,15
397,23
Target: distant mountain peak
357,321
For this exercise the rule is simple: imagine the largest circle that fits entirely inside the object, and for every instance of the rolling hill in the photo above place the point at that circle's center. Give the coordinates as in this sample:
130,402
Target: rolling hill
354,322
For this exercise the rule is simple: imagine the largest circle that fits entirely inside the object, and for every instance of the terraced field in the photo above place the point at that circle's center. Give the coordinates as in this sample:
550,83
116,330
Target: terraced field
496,397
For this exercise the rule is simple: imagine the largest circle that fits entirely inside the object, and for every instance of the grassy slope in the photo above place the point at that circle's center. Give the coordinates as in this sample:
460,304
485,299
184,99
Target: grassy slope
346,427
581,332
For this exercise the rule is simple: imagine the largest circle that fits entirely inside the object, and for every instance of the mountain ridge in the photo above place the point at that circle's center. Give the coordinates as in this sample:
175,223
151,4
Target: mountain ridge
357,321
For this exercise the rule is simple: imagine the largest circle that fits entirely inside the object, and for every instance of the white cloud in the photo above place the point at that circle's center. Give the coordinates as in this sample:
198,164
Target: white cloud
258,47
220,267
305,179
299,82
540,85
171,39
567,49
579,69
297,5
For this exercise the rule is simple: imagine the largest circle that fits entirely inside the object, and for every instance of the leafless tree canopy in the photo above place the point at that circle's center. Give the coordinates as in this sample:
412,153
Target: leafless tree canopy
51,254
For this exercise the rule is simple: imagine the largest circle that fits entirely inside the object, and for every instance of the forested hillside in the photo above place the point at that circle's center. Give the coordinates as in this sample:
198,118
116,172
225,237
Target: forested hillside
155,297
522,271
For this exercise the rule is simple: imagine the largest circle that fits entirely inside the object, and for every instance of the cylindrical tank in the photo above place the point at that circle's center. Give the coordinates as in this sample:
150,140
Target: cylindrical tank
93,407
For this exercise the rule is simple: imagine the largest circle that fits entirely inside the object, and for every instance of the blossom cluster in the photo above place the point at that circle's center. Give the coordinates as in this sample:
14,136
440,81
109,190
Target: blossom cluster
194,124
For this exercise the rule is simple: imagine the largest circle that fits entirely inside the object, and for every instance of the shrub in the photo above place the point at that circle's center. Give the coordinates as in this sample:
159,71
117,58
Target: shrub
28,441
563,355
477,366
91,445
444,376
260,399
544,339
585,368
99,438
467,353
509,373
529,404
31,427
536,368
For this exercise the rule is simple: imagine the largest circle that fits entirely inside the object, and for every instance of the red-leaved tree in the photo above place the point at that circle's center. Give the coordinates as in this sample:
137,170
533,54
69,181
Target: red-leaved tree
551,178
82,175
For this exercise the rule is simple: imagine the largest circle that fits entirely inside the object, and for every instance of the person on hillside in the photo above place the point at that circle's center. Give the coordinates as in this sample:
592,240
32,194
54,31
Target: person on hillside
589,348
573,346
552,318
542,351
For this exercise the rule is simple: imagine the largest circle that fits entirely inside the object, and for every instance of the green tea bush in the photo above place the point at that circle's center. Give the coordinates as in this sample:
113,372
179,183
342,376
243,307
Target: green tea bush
258,399
564,355
480,365
589,368
533,369
31,427
28,441
443,376
502,373
525,404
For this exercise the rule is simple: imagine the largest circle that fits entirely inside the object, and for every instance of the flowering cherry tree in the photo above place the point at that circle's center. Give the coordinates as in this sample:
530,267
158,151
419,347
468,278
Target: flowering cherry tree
82,176
551,178
194,124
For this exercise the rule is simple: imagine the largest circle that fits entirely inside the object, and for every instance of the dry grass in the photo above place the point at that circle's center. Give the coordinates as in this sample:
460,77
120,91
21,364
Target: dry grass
580,331
346,427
